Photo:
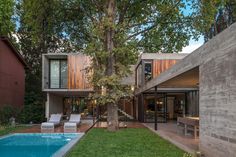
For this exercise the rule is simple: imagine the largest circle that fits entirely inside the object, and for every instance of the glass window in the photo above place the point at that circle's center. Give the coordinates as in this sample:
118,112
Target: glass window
58,74
54,73
148,71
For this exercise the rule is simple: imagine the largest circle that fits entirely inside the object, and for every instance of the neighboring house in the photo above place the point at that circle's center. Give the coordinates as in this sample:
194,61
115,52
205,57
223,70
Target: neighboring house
12,75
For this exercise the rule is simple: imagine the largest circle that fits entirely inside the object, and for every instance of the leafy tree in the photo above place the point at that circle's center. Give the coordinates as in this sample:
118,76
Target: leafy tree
36,37
214,16
7,25
114,32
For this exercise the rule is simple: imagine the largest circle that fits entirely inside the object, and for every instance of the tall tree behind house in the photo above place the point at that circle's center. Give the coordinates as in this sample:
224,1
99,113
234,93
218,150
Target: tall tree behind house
225,16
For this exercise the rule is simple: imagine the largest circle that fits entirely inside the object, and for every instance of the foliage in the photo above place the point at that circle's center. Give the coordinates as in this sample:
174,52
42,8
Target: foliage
7,25
214,16
125,142
7,112
33,110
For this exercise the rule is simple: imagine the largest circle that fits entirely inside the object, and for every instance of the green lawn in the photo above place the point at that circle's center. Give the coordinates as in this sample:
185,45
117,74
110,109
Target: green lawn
8,129
139,142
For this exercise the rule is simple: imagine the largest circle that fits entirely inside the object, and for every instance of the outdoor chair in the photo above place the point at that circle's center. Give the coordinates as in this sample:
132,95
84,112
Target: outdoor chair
71,125
49,126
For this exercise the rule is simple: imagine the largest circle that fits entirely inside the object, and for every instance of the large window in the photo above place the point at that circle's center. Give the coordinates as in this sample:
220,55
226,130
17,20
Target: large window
58,74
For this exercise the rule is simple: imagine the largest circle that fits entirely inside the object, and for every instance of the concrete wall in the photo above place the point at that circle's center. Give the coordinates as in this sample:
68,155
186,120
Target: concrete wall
218,103
54,104
45,72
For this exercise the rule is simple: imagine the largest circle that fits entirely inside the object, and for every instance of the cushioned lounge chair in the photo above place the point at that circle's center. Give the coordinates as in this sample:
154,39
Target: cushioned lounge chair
49,126
71,125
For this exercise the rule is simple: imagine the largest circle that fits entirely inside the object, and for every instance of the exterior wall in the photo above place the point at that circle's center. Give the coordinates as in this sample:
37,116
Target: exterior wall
45,73
12,78
218,104
77,78
54,104
159,66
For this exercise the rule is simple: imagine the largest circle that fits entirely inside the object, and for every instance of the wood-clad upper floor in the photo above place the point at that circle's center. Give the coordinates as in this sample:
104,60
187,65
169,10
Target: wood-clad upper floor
65,72
77,72
69,71
151,65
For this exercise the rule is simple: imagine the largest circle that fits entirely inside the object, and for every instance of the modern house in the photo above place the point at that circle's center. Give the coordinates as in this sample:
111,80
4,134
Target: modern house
197,89
12,75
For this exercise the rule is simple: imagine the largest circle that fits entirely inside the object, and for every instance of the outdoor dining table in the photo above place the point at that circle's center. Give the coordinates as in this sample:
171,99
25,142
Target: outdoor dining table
189,121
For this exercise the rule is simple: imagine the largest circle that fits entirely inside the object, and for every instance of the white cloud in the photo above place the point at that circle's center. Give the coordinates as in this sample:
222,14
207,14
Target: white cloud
191,48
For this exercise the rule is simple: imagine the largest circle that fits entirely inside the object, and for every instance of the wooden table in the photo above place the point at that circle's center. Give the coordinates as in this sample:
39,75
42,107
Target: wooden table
189,121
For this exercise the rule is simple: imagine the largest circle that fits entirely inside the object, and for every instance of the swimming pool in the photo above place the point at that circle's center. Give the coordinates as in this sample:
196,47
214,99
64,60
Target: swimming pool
37,144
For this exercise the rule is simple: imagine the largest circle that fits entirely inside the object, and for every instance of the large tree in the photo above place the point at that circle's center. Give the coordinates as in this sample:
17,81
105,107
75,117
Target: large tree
113,33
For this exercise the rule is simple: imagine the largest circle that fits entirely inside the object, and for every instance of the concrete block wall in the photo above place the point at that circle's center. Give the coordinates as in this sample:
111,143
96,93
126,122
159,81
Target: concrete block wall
218,99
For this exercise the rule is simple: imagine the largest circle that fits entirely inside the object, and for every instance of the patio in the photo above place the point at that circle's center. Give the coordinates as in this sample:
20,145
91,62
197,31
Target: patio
172,133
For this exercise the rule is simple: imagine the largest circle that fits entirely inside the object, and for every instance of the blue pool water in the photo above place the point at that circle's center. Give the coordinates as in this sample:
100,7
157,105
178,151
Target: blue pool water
34,145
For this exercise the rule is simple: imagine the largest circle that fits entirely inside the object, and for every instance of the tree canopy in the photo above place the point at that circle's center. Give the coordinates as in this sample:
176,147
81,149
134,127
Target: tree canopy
7,24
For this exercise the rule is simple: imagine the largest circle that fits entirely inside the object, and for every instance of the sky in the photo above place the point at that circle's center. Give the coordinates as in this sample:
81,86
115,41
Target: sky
193,45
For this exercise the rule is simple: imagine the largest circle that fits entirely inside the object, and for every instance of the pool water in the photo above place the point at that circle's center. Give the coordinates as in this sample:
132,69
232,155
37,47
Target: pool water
34,145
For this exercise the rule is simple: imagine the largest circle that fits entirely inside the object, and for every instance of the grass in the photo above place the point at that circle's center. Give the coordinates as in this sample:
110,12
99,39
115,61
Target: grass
130,142
4,130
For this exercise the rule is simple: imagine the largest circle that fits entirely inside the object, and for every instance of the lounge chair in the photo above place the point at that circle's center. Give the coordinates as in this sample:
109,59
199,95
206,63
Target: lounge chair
71,125
49,126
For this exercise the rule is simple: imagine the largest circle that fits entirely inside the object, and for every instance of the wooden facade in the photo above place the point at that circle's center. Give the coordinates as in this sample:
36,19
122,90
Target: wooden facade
160,66
77,76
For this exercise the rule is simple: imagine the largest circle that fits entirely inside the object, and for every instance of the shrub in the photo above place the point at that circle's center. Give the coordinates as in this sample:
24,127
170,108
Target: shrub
33,110
6,112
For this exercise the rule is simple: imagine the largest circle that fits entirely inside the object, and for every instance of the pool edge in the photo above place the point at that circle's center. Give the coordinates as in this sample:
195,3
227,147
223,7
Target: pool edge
65,149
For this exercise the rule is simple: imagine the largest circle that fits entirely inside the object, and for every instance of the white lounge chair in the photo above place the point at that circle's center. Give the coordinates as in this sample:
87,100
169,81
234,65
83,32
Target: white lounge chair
49,126
71,125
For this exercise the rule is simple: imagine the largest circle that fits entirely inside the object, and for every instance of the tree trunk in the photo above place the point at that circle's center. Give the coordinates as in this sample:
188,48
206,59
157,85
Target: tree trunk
112,109
112,118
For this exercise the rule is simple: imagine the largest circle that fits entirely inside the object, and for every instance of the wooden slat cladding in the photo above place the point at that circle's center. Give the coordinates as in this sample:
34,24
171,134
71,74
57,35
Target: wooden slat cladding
76,72
160,66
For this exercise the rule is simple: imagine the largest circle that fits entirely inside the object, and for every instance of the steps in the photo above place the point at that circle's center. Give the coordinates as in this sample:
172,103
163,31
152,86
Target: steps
125,114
